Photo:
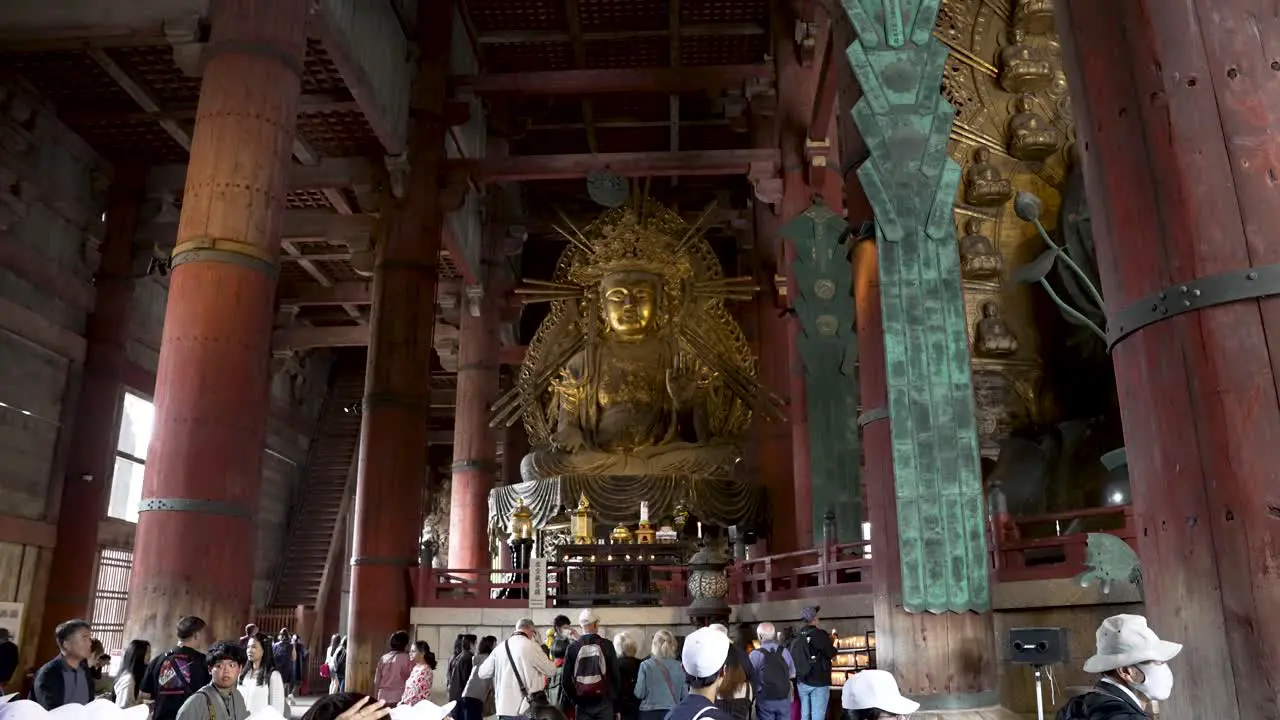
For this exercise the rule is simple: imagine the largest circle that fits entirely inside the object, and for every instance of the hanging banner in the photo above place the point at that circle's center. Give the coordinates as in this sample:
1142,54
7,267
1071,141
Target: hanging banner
11,620
538,583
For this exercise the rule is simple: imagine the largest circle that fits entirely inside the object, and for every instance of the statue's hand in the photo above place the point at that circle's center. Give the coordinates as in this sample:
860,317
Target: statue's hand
682,387
569,439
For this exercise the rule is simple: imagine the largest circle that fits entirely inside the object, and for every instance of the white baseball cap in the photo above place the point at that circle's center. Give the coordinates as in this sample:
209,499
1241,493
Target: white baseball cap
1125,640
876,689
705,652
588,617
422,710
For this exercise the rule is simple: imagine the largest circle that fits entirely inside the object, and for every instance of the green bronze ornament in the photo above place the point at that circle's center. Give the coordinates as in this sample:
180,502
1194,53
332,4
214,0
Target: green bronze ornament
829,350
911,182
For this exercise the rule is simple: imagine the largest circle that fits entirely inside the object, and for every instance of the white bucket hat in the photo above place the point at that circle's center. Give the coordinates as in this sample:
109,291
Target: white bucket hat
1125,640
876,689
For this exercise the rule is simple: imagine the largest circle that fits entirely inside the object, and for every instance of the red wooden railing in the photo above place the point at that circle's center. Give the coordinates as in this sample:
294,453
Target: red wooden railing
1053,545
1037,547
816,572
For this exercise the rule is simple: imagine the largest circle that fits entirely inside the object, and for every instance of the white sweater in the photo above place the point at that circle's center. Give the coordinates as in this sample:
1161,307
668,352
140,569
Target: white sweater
534,666
257,697
126,693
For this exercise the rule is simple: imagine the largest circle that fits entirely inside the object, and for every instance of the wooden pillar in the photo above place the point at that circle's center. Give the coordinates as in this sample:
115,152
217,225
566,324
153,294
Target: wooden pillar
945,661
772,439
87,485
474,442
796,88
397,402
204,467
1176,114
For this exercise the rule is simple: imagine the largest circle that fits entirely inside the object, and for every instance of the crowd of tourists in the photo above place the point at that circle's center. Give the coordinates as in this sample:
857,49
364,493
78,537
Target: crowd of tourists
570,673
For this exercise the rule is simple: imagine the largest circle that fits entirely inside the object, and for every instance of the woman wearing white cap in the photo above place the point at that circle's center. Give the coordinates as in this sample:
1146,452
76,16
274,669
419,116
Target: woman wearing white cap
705,654
1133,663
874,695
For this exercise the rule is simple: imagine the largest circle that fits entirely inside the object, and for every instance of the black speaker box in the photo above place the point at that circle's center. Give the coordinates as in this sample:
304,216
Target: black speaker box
1038,646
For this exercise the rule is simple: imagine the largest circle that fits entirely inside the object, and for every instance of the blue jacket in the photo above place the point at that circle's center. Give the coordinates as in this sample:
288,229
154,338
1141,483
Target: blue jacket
658,690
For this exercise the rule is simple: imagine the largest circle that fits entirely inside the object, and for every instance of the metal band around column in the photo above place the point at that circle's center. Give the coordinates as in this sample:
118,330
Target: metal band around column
384,561
191,505
873,415
1198,294
225,250
267,50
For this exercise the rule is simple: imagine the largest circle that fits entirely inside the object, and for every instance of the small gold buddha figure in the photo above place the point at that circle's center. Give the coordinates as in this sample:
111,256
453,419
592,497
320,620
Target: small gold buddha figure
1033,16
983,185
1024,68
992,337
979,259
1031,137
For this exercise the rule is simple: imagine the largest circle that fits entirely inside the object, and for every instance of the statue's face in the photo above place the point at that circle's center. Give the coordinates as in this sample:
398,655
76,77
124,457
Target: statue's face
630,303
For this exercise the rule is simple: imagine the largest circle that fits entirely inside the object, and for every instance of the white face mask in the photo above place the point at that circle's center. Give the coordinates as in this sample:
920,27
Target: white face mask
1158,684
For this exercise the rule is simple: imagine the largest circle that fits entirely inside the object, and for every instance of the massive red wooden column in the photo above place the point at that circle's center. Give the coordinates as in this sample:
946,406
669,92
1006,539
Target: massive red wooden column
1177,114
195,537
474,443
87,484
397,402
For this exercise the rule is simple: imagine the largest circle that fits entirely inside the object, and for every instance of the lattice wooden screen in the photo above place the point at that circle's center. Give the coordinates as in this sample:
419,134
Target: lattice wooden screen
111,596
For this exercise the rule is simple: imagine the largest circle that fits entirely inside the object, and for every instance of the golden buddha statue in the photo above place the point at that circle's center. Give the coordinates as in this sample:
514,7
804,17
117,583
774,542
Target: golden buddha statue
983,184
979,258
1033,16
1024,67
1031,137
992,337
638,369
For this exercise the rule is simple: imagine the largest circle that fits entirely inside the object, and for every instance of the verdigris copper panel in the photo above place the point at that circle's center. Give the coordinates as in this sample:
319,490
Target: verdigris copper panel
911,182
829,350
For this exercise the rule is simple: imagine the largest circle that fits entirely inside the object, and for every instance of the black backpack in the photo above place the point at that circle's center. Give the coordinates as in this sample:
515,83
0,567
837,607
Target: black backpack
800,655
775,677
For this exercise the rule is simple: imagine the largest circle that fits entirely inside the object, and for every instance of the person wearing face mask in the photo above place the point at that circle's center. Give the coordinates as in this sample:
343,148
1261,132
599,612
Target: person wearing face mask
874,695
704,657
1133,663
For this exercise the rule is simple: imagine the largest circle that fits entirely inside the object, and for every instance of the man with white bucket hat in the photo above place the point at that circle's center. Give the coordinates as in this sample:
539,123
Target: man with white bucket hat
1133,663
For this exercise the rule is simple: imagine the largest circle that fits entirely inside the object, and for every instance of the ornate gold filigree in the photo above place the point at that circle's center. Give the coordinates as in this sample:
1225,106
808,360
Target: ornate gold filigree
711,349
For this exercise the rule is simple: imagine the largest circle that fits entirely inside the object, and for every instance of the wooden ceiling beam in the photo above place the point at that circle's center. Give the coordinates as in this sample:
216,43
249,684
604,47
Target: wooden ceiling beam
553,36
310,103
711,78
140,95
519,168
360,293
299,337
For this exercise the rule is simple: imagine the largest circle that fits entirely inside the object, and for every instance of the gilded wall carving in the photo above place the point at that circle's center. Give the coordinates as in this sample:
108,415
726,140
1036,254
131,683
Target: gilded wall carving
1013,131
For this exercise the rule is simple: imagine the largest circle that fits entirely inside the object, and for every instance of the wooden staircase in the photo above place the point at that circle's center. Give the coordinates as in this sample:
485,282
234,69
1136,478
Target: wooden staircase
323,496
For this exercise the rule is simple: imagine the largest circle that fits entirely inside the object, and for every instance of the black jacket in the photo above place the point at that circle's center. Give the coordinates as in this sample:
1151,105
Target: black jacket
8,661
1104,702
610,673
816,642
48,687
